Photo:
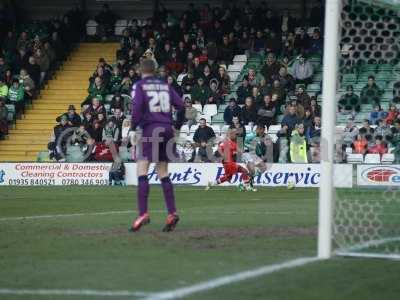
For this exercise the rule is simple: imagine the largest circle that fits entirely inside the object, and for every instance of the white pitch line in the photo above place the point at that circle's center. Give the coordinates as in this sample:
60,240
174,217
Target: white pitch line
72,292
113,212
225,280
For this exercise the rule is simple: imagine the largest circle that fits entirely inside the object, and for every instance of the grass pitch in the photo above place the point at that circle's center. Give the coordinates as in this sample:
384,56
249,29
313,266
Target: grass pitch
81,241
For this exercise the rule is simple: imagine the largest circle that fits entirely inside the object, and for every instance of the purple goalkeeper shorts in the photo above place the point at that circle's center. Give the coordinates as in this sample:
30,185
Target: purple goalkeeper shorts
157,143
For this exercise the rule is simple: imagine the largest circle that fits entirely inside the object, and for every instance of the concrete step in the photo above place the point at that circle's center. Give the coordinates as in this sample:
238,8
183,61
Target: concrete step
22,148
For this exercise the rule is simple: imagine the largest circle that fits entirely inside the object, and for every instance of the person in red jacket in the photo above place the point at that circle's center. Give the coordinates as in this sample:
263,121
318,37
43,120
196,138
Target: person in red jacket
392,114
360,144
379,147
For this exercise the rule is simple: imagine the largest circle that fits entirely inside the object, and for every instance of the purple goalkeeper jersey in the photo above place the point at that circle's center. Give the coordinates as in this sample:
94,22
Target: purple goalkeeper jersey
153,100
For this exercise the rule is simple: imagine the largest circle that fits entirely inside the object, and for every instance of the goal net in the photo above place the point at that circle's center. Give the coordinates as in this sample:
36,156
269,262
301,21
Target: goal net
365,220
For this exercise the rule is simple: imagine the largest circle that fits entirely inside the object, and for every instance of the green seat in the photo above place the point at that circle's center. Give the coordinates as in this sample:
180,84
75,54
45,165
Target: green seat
219,118
221,108
11,117
313,88
385,67
349,78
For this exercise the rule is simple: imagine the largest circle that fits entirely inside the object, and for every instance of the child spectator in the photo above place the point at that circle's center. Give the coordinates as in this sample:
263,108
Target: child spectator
16,96
376,115
392,114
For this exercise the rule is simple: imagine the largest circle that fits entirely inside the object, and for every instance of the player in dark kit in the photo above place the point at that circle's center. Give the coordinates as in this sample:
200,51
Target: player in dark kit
152,120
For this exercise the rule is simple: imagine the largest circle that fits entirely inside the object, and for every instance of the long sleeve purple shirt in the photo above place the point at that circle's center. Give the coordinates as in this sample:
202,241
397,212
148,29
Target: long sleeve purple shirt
153,100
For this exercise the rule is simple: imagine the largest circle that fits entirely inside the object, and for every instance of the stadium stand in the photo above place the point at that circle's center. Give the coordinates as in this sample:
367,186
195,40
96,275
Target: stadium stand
271,67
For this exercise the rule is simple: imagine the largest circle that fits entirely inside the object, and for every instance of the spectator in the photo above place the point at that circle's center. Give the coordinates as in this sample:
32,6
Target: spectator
379,147
302,70
95,130
376,114
106,20
115,80
172,82
360,144
207,75
10,42
349,134
277,90
60,138
33,70
253,78
290,119
303,98
243,91
383,129
49,51
186,152
96,90
314,139
173,65
96,108
315,107
223,80
286,80
231,110
316,43
16,96
216,94
8,77
392,114
43,62
258,43
201,92
190,113
249,112
240,130
23,42
298,145
302,41
110,133
73,119
3,119
28,84
3,67
266,112
370,94
204,137
273,43
225,50
271,68
349,103
3,88
366,127
188,82
283,144
118,118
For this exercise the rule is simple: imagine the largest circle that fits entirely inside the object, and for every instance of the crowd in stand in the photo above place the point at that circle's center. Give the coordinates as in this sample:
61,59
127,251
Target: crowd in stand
192,53
28,56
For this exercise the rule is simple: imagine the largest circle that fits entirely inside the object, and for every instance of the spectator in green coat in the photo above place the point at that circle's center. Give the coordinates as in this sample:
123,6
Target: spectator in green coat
201,92
371,93
3,88
349,102
16,96
96,89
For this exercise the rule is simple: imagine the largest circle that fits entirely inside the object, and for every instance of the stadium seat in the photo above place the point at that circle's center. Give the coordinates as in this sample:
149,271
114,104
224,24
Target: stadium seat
185,129
91,27
273,129
198,107
217,129
202,116
193,128
120,26
224,129
372,158
240,58
387,158
354,158
248,128
222,107
210,110
235,68
219,118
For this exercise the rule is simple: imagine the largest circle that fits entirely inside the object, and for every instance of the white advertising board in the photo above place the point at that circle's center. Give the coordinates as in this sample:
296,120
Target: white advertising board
378,175
196,174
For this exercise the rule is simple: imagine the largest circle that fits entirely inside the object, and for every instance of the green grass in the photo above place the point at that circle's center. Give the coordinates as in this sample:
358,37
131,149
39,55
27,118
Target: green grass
221,232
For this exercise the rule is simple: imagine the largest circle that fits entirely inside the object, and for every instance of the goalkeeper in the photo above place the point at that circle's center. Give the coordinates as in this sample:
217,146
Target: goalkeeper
258,150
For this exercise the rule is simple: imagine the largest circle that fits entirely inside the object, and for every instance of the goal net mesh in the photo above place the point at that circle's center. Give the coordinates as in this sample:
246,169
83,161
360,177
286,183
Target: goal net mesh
366,218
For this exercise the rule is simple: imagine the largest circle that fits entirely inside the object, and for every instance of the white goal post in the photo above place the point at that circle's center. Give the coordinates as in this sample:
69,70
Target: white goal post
329,84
